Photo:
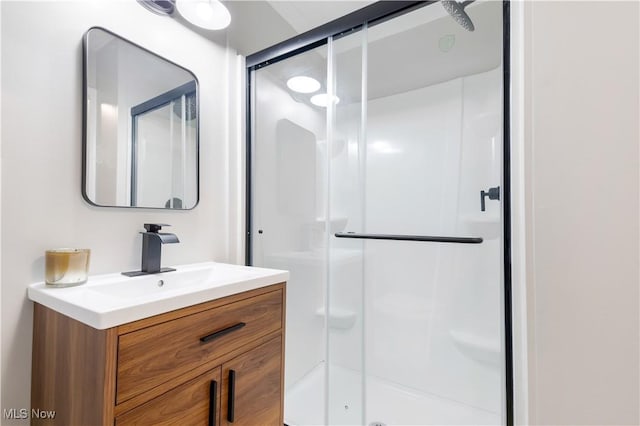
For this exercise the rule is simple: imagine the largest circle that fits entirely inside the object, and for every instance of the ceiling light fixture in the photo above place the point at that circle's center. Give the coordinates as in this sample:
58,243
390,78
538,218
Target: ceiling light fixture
161,7
323,99
303,84
208,14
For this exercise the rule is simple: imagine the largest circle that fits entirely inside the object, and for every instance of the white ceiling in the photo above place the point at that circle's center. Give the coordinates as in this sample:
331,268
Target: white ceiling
258,24
305,15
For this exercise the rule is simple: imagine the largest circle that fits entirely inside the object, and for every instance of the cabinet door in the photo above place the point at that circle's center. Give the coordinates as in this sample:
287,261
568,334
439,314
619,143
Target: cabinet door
196,402
252,387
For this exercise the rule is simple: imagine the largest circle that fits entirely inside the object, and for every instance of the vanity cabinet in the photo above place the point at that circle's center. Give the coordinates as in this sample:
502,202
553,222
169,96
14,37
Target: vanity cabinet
215,363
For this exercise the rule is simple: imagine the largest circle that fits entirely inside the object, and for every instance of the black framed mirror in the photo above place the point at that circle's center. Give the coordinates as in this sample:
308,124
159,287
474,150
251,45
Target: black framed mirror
140,126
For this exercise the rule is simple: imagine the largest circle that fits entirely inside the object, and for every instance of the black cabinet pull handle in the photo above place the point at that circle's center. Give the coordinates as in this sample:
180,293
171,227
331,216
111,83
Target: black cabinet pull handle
220,333
231,402
213,398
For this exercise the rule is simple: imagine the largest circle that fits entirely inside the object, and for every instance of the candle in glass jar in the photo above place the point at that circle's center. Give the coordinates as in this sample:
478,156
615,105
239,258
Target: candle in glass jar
66,267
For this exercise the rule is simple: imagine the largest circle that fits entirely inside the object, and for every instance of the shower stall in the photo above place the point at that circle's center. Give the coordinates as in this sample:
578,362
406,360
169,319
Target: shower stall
380,181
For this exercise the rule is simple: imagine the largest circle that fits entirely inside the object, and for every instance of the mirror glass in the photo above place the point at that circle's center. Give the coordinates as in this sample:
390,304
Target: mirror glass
140,127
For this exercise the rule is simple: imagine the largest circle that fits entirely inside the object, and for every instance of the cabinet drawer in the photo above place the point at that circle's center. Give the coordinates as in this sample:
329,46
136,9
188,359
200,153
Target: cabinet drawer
157,354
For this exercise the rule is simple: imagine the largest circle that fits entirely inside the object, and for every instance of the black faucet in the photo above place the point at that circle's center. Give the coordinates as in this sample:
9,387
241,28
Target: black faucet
152,241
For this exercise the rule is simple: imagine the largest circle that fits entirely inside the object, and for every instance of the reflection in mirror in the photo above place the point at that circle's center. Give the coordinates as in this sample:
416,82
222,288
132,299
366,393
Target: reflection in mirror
141,127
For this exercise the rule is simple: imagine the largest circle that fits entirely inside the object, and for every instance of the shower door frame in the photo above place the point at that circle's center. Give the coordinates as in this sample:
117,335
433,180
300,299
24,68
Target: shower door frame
370,15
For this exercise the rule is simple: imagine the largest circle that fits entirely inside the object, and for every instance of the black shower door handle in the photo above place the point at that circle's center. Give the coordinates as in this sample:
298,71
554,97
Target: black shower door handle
398,237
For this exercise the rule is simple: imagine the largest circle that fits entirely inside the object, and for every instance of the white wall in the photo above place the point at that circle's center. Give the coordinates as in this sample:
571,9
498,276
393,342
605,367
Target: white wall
582,187
42,205
1,298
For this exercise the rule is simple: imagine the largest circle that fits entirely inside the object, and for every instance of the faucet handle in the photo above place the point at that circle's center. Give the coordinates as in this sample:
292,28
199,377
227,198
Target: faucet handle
154,227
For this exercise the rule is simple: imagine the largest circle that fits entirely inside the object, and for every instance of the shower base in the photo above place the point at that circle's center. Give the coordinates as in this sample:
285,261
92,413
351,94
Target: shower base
387,403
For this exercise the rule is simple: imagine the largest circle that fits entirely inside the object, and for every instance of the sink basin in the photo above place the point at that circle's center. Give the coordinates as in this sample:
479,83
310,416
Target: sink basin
106,301
184,280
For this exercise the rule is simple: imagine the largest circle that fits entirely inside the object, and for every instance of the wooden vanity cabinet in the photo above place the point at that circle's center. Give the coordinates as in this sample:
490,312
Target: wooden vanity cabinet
216,363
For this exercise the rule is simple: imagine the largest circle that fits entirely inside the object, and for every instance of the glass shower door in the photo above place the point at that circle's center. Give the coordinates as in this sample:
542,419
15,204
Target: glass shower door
415,249
289,187
382,198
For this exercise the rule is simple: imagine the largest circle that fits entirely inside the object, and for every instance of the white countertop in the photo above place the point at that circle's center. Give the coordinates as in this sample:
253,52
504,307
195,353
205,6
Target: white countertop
109,300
